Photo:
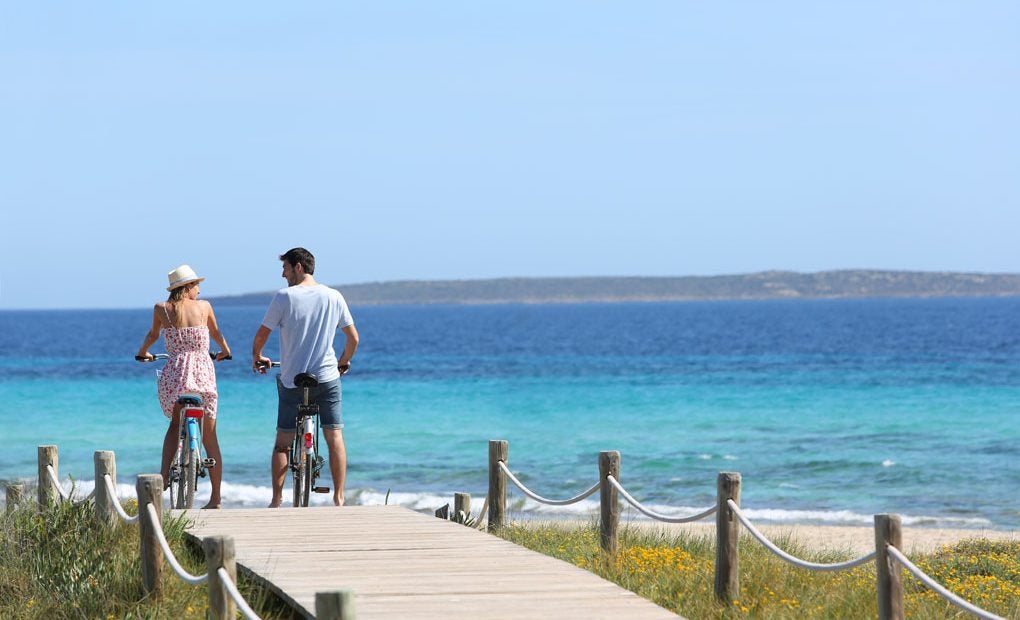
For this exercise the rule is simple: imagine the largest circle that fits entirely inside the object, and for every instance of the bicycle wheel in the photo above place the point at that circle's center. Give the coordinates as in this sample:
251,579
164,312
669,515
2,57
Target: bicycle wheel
190,478
308,476
299,467
177,481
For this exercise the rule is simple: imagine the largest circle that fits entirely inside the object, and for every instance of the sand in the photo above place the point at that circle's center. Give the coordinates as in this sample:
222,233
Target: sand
856,540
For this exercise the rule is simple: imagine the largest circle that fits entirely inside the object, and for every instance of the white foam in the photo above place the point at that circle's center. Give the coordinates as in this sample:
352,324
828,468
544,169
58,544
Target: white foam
888,463
254,496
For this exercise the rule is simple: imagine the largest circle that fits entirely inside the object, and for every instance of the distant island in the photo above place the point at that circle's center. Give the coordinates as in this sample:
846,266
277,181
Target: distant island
842,284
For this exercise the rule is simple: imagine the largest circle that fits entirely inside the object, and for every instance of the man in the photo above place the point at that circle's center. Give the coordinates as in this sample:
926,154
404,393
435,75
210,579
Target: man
307,314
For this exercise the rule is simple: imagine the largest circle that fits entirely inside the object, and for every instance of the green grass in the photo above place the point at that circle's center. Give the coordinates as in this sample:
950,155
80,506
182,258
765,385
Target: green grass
676,571
57,563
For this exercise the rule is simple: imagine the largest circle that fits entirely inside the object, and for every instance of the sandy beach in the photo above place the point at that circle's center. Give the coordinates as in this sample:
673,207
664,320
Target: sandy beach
855,540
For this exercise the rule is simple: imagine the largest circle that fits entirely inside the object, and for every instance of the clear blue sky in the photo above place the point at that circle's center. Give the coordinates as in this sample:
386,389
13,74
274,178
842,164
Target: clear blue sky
435,140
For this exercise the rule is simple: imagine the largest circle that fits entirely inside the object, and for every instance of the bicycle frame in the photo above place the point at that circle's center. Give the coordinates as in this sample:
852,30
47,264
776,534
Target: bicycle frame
188,465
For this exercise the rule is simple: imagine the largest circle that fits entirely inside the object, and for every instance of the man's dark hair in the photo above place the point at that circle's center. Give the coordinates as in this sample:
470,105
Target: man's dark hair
300,255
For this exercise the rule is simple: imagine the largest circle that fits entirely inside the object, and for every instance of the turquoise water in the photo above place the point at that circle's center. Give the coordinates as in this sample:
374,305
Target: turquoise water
831,410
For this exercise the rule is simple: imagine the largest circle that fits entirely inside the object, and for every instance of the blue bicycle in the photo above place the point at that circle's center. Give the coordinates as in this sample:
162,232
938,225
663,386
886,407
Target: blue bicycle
188,463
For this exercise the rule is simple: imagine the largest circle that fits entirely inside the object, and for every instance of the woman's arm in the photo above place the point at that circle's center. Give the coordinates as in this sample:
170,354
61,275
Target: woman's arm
214,333
152,336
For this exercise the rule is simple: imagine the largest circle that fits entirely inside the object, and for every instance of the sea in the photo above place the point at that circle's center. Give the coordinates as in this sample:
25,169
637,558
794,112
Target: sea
831,410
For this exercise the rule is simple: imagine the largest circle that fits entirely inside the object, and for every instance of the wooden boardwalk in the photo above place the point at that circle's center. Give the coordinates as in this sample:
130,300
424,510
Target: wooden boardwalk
404,564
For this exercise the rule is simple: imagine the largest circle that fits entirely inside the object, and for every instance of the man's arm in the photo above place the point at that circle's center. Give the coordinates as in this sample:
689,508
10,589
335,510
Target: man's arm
350,346
258,362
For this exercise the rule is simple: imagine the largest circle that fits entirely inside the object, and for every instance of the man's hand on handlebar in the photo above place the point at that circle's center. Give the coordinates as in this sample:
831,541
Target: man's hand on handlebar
343,368
261,364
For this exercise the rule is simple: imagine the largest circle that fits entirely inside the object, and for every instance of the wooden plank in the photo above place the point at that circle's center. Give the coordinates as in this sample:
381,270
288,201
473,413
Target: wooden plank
399,563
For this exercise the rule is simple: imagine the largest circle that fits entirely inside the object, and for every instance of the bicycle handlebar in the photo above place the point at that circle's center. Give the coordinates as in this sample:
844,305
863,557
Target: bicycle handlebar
163,356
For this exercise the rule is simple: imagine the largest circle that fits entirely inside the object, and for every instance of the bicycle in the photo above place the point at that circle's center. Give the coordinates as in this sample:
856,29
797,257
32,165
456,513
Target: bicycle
187,464
303,458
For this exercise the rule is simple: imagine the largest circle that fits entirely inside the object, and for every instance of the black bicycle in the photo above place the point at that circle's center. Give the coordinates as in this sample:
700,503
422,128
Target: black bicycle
303,458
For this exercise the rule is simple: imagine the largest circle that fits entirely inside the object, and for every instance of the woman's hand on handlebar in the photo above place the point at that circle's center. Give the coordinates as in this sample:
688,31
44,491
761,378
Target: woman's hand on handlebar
222,355
145,356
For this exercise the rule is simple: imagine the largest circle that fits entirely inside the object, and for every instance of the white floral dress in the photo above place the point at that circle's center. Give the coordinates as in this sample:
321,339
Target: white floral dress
189,369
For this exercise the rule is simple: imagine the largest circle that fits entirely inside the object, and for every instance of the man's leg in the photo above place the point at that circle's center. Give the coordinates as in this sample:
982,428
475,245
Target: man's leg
278,464
337,461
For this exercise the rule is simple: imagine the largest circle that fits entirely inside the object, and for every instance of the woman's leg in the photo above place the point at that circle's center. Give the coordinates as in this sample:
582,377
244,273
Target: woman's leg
170,446
212,450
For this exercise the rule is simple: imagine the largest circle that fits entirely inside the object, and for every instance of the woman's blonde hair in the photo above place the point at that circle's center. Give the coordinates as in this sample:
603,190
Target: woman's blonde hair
175,298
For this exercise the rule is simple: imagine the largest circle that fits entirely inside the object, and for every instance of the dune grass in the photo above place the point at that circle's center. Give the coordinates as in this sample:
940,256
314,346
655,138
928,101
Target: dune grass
676,571
57,563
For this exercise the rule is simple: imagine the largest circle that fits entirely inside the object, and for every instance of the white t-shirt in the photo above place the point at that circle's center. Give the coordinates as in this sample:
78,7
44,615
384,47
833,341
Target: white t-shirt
308,318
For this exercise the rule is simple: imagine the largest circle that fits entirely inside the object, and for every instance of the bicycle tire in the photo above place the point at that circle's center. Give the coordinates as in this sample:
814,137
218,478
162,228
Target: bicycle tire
308,476
190,477
299,468
176,488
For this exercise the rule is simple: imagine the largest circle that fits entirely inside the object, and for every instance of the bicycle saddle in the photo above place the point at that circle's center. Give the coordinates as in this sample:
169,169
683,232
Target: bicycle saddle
305,380
191,399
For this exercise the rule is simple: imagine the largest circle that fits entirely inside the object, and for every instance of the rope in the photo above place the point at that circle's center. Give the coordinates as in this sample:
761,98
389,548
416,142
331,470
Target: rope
242,605
789,558
655,515
169,554
934,585
483,514
125,517
539,498
56,483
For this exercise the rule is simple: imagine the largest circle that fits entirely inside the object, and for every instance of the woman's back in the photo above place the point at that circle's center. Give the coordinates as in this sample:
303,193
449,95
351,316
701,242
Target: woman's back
185,313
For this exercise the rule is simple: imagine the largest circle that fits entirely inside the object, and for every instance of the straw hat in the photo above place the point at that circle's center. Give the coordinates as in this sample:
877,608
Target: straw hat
181,276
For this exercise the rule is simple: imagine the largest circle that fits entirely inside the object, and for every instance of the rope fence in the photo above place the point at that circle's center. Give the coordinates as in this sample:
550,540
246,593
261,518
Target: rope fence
771,546
937,587
655,515
729,517
542,500
235,595
225,600
112,490
168,553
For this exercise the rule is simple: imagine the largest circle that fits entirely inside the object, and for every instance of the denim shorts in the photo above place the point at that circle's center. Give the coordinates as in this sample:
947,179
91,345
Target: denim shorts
326,395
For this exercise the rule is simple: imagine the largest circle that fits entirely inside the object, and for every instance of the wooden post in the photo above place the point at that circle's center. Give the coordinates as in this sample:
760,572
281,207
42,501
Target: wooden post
461,507
105,465
15,493
727,534
609,515
48,493
338,605
219,553
150,491
499,450
888,531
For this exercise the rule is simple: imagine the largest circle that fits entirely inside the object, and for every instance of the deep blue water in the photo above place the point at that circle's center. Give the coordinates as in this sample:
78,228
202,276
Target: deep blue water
831,410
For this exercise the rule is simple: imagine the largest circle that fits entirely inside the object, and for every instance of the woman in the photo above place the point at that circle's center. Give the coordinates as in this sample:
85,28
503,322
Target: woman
187,325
